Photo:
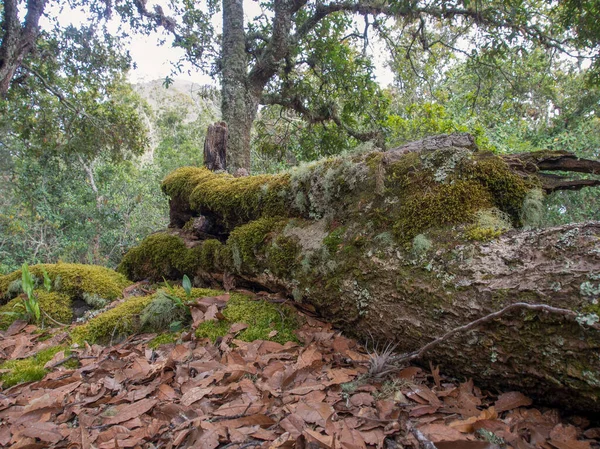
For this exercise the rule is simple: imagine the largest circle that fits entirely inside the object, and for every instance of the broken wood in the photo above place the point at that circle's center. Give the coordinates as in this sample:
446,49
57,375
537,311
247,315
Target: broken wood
215,146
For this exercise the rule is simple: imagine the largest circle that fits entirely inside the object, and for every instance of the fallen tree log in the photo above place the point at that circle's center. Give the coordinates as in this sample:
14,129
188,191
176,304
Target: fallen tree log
405,246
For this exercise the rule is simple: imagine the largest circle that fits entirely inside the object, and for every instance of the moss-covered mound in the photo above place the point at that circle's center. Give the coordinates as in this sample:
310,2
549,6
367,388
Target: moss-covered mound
56,305
127,318
69,282
250,246
73,280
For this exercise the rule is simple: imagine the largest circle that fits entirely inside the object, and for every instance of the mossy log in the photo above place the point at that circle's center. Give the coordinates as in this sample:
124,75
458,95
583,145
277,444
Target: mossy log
403,246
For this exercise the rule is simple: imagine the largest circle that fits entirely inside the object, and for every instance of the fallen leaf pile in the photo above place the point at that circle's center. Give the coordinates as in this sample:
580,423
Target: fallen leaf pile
235,394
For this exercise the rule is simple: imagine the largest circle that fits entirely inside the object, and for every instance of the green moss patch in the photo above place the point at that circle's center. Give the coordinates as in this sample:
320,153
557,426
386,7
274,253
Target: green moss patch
234,200
163,339
157,256
30,369
261,317
124,319
56,305
74,279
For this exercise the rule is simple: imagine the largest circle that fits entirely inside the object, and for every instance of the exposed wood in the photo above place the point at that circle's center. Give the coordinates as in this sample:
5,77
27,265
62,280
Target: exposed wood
215,147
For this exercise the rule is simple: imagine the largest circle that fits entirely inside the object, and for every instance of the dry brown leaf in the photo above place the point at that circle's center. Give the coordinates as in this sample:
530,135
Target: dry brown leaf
466,426
442,432
511,400
570,444
194,395
314,413
126,412
466,445
362,399
317,437
236,328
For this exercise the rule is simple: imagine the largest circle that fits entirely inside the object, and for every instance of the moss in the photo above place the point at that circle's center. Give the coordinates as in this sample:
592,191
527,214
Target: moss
30,369
445,205
157,256
282,256
163,339
161,312
262,318
334,239
245,241
124,319
56,305
75,279
234,200
508,190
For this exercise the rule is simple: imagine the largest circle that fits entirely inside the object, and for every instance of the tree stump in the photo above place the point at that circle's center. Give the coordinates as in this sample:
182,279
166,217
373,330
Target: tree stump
215,147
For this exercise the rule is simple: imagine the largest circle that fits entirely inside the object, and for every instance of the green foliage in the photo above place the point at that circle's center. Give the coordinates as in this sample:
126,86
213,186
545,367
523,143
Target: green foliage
47,280
30,305
162,311
262,318
187,286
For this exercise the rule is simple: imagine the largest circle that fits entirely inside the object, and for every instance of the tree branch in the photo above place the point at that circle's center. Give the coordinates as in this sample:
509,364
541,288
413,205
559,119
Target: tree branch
486,319
326,114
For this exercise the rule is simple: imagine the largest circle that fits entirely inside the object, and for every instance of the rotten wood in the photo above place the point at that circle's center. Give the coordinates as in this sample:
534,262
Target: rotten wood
215,147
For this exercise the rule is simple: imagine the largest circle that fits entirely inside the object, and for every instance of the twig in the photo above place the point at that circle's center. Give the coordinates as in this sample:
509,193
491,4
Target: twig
424,442
60,362
492,316
244,445
239,415
53,320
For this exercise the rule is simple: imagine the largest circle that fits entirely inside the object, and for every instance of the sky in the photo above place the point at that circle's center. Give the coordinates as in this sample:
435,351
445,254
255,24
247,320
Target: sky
154,61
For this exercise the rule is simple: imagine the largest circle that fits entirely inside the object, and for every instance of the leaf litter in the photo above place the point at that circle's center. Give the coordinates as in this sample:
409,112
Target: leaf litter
233,394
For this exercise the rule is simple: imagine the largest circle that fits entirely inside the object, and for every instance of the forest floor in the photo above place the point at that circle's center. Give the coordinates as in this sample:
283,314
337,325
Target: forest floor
323,392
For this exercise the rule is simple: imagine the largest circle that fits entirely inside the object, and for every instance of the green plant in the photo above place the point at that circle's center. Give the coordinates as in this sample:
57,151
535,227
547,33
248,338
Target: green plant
47,280
29,307
187,286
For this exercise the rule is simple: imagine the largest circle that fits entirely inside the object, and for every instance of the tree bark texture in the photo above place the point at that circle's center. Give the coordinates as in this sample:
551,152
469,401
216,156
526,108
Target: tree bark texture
18,39
215,147
404,246
238,104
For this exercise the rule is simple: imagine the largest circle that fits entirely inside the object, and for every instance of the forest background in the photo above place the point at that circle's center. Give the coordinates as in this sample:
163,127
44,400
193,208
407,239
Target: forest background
83,151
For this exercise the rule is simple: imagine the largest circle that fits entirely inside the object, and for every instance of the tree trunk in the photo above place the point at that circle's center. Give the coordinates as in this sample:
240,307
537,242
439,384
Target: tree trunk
17,40
239,104
404,246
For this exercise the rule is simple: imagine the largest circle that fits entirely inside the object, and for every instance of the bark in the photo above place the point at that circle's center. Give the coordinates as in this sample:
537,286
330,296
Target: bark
18,40
377,245
215,147
238,104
